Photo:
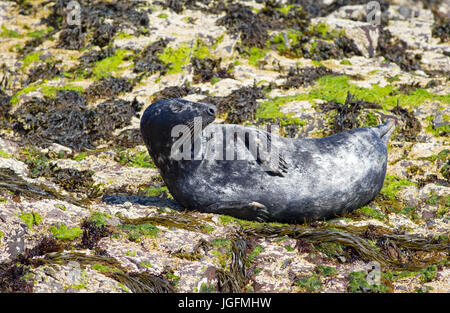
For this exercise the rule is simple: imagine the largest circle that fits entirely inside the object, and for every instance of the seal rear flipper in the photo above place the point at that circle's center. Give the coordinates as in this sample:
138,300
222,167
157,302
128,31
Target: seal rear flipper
384,131
240,209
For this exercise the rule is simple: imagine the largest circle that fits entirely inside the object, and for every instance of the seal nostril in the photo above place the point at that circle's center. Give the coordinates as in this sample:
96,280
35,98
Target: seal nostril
211,111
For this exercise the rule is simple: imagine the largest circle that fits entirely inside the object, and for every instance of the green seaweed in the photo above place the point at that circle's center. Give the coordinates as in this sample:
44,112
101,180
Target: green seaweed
5,155
392,185
253,55
443,130
345,62
104,269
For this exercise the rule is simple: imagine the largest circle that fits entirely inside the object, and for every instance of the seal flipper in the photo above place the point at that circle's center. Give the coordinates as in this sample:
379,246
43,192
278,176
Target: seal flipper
384,131
240,209
273,162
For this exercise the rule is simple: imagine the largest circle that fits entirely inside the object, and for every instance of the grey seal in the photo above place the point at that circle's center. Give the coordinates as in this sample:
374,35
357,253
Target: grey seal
312,178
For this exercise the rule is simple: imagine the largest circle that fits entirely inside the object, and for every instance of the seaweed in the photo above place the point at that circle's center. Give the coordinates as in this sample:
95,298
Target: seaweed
12,273
410,126
240,105
61,119
5,105
92,56
66,119
93,26
354,238
108,87
103,34
109,116
184,220
209,69
92,233
323,8
136,282
148,61
346,117
395,50
129,138
442,31
34,42
46,71
10,181
278,16
297,77
72,179
240,19
236,278
175,92
71,38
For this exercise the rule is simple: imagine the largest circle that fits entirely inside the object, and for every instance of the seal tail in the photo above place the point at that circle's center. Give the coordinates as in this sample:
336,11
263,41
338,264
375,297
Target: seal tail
384,131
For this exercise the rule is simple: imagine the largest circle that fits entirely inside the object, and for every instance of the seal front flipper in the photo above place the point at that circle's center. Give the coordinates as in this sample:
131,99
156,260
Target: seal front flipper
273,161
240,209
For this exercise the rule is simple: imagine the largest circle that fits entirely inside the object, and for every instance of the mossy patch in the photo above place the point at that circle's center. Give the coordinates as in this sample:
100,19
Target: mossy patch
392,185
106,67
5,155
99,218
177,57
310,283
253,55
31,219
443,130
40,33
252,256
133,158
324,270
9,33
358,283
48,91
104,269
30,58
336,88
66,234
135,232
371,212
